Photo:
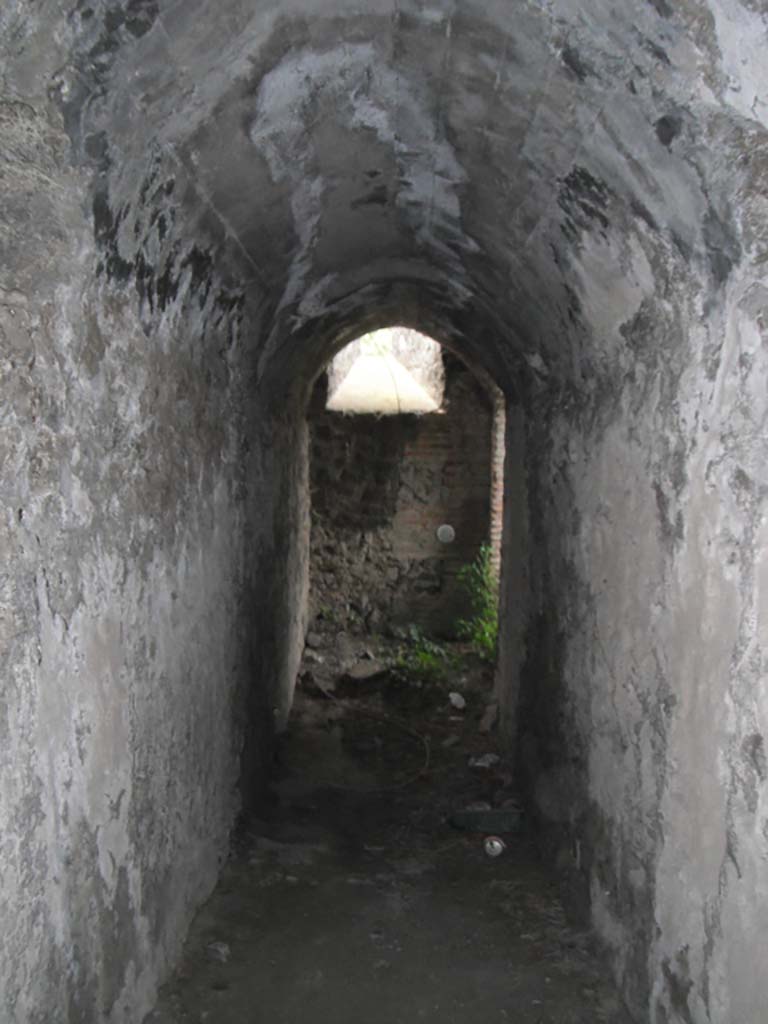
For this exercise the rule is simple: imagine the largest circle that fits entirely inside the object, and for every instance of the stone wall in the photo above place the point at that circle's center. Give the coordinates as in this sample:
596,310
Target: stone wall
381,486
515,559
644,712
126,613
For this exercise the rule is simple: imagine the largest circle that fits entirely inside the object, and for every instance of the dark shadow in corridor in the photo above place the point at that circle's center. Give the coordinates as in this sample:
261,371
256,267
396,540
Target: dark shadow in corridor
352,899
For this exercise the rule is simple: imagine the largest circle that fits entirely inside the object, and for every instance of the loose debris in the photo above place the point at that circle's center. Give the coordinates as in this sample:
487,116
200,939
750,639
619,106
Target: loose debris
484,761
385,872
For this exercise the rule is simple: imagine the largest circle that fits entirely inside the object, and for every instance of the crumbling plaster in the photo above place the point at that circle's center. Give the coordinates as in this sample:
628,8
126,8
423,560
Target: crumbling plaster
125,580
655,770
201,201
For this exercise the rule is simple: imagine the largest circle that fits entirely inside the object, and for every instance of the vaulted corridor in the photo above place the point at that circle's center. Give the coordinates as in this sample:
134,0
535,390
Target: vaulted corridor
201,202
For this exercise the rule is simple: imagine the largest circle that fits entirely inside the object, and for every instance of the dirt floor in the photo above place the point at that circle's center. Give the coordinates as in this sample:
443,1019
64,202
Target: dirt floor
354,900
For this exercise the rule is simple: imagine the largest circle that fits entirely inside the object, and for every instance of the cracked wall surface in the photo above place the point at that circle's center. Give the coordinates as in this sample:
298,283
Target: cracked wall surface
650,594
200,203
125,580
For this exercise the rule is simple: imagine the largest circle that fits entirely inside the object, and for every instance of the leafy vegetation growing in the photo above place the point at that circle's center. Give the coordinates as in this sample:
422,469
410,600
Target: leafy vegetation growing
423,659
480,581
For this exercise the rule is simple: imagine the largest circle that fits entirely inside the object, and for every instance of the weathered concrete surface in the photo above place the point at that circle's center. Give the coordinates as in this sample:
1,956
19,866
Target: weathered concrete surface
648,640
123,593
572,195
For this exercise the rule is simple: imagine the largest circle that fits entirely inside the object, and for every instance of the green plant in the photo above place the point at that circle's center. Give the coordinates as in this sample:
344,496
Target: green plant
423,659
328,613
481,584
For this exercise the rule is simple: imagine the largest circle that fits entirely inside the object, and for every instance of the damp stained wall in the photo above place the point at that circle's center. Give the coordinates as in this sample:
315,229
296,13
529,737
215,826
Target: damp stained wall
125,591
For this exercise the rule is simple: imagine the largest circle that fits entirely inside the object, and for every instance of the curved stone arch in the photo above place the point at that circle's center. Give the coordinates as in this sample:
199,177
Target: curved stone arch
298,362
602,168
577,192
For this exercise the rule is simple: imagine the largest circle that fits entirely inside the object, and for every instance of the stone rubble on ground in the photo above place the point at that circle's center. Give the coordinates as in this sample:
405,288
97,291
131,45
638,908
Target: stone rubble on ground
484,761
219,951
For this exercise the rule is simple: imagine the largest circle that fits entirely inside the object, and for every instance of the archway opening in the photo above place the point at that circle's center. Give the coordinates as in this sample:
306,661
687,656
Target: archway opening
402,467
388,372
406,469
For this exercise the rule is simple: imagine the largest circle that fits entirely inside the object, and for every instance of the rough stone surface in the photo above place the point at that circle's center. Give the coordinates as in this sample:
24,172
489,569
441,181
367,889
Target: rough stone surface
381,487
200,202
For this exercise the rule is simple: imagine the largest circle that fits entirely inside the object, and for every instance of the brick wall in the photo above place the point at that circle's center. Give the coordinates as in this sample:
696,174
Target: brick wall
498,453
381,486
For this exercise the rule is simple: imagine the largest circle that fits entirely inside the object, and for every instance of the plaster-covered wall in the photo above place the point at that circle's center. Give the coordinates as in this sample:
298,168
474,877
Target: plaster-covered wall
644,713
125,619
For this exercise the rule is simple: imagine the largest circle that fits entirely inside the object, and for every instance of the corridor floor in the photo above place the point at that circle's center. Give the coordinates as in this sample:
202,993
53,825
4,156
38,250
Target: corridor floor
352,900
